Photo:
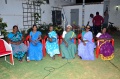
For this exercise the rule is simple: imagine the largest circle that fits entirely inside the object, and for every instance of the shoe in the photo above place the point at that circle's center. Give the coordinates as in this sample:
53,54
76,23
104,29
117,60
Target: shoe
80,57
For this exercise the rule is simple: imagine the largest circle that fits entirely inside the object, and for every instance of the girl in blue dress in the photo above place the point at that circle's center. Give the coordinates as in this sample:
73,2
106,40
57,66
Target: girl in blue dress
15,38
35,47
52,43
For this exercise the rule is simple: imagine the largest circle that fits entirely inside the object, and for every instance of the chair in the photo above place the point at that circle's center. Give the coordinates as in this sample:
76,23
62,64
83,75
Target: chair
6,49
60,39
26,42
44,45
79,37
98,46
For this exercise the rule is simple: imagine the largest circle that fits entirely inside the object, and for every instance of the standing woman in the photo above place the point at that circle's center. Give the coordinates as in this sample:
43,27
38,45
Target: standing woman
35,47
52,43
106,19
86,46
16,40
68,48
106,48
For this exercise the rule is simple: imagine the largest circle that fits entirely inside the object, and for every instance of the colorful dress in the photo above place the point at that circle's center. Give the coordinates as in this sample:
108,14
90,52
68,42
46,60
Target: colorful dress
18,50
70,51
86,51
35,49
52,47
106,48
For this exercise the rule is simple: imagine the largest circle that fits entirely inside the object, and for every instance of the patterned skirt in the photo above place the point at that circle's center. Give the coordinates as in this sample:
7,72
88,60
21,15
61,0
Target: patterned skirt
19,50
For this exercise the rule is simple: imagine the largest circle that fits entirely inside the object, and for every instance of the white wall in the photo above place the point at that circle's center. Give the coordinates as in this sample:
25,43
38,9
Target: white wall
67,10
12,12
114,16
106,4
64,2
88,10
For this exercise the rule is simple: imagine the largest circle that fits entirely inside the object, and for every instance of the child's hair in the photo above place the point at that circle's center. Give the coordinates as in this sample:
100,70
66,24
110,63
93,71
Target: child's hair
15,26
35,25
103,27
91,15
50,26
97,13
87,27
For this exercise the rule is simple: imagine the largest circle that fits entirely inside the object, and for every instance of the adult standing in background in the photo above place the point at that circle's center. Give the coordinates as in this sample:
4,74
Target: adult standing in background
106,18
90,23
97,22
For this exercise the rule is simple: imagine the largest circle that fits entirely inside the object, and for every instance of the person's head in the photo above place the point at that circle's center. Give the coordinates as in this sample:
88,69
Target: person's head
104,29
68,28
50,28
15,28
97,13
34,28
87,28
91,15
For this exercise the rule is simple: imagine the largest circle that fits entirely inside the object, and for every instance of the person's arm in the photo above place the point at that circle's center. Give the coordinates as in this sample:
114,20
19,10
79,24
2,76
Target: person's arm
88,22
99,38
30,37
52,39
93,21
21,41
73,36
83,41
39,38
11,42
49,39
30,40
104,39
65,43
36,41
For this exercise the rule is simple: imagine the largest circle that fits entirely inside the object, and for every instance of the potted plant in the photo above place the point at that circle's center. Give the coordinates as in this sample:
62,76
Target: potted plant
3,25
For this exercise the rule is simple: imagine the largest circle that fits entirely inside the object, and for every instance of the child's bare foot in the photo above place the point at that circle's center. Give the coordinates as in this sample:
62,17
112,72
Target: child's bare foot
20,61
